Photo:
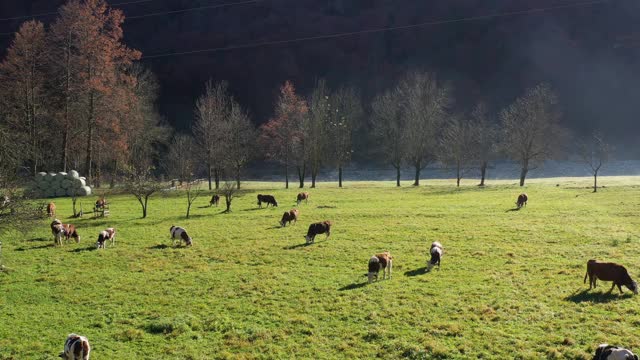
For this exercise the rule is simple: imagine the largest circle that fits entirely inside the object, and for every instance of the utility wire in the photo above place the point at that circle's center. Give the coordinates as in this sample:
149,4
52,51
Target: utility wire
194,9
379,30
55,12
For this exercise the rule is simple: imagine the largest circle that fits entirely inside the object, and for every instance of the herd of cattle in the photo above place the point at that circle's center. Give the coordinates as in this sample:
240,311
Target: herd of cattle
77,347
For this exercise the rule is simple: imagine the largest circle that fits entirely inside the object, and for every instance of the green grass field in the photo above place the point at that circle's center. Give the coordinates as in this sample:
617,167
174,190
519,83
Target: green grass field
510,285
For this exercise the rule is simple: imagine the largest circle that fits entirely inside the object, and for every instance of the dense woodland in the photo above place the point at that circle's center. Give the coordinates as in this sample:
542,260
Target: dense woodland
73,95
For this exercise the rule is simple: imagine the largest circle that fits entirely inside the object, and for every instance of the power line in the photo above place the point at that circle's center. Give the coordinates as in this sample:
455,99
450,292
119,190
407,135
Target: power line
55,12
379,30
195,9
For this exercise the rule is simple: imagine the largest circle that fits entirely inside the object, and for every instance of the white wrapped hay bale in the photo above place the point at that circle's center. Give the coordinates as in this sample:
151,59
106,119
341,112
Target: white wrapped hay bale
61,175
78,183
84,191
66,184
73,175
60,192
50,177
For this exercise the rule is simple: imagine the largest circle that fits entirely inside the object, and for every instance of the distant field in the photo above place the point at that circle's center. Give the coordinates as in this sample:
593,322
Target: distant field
510,284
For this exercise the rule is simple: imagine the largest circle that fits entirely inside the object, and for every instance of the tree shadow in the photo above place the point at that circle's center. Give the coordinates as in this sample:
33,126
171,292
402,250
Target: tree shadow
416,272
353,286
88,248
596,297
254,209
35,247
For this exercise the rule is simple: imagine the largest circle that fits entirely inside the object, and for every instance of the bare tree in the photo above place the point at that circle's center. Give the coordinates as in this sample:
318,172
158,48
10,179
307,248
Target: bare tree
212,110
485,138
595,152
388,129
346,112
457,146
315,128
193,190
424,104
229,190
531,132
240,135
180,160
141,184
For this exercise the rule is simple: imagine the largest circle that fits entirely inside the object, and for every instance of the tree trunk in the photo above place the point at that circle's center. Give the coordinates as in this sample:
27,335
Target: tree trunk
73,201
314,174
286,176
595,181
397,176
216,172
340,176
144,207
483,173
209,176
65,146
228,202
416,182
238,177
458,176
89,160
188,207
112,184
523,172
301,174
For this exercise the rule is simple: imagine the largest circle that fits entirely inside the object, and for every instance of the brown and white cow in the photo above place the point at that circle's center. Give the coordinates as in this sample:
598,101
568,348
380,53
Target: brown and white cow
302,196
323,227
289,216
522,200
70,231
384,262
104,235
436,252
215,199
76,348
607,271
178,233
609,352
51,209
57,231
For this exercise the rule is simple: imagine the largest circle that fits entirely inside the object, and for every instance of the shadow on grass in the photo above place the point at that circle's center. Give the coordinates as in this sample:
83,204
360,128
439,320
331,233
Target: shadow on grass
35,247
353,286
38,239
274,227
596,297
88,248
255,209
327,207
295,246
159,247
514,209
416,272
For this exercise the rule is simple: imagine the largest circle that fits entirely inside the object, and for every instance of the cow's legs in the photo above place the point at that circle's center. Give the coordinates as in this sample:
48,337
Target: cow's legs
612,286
620,288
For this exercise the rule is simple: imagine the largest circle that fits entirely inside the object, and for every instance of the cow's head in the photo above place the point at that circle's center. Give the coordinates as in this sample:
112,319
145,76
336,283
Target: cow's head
633,287
275,203
307,238
372,275
282,223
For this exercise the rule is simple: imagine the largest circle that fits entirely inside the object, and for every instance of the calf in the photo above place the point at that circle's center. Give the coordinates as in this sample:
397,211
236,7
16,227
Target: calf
609,272
289,216
609,352
76,348
302,196
269,199
522,200
107,234
70,231
436,252
101,203
382,261
318,228
180,234
215,199
51,209
57,231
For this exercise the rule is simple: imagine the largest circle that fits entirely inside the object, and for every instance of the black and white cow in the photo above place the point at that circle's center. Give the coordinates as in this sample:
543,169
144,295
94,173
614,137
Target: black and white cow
76,348
107,234
180,234
609,352
384,262
436,252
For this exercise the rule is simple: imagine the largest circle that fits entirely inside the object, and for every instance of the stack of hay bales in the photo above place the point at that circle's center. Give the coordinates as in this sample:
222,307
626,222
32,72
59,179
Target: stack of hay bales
61,184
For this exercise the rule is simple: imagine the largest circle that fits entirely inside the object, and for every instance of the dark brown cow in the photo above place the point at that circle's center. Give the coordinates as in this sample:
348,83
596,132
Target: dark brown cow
609,272
522,200
269,199
289,216
318,228
302,196
215,199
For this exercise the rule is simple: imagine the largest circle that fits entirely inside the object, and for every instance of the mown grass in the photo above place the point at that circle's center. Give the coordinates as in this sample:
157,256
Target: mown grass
510,284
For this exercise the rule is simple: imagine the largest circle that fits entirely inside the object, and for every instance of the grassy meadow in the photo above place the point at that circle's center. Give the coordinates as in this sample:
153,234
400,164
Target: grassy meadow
510,286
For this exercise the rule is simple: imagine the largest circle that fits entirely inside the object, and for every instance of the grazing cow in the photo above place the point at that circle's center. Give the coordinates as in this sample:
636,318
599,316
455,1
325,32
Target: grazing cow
180,234
267,199
289,216
382,261
436,252
51,209
318,228
70,232
101,203
302,196
522,200
609,272
609,352
215,199
107,234
76,348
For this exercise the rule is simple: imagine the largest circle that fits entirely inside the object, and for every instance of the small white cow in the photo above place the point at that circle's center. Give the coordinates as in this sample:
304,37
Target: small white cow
436,252
609,352
76,348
